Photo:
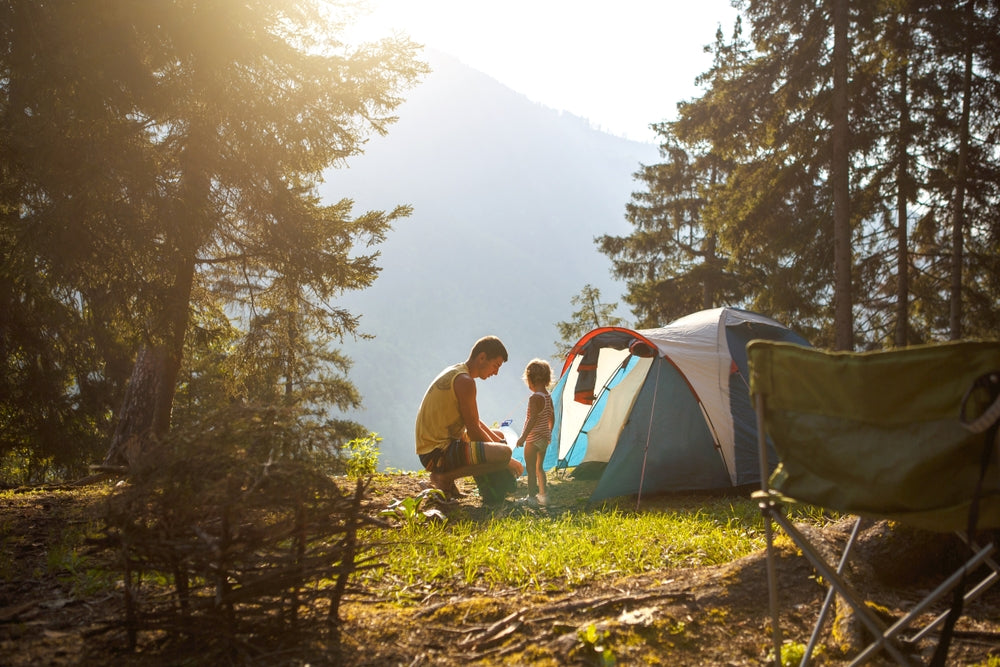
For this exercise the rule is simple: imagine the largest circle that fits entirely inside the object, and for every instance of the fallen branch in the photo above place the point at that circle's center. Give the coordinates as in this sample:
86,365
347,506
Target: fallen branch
597,604
497,631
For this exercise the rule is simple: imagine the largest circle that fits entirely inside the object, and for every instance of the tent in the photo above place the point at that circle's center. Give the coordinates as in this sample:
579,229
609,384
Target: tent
664,409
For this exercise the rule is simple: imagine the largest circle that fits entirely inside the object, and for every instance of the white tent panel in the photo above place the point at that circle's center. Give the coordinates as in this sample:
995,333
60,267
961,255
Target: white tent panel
603,437
697,345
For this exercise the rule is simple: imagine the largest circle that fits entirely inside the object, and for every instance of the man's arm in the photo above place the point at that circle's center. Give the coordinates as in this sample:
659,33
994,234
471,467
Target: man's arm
465,390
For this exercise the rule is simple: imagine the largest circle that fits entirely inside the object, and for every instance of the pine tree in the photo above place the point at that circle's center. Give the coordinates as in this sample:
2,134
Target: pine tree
74,162
157,151
258,100
764,198
671,262
852,244
954,240
592,314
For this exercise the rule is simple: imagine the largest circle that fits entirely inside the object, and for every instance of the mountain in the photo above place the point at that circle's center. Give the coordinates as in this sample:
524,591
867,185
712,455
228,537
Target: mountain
507,199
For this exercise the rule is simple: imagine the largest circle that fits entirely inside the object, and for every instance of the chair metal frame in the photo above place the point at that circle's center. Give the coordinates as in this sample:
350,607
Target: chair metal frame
890,638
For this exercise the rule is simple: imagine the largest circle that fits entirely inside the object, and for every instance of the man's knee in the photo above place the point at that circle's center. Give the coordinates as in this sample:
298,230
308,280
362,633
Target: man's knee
497,453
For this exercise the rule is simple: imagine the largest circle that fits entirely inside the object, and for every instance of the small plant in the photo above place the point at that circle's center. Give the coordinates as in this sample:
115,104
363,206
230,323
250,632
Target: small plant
408,510
718,615
67,561
362,459
596,641
677,628
792,653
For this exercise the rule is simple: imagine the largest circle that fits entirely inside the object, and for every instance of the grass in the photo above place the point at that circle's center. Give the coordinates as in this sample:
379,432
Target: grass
531,551
534,551
63,520
82,574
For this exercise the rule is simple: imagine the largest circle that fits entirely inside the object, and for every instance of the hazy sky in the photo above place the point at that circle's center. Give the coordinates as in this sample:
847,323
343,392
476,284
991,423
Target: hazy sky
622,64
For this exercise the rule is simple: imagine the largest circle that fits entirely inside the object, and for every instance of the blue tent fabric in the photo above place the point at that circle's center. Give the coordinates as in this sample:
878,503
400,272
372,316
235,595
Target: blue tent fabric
747,468
670,441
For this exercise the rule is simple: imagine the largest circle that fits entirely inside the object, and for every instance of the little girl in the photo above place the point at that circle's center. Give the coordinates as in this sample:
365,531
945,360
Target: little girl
537,428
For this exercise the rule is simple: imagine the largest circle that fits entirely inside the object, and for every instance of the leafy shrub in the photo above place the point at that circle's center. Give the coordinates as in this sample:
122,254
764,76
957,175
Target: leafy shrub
246,530
362,457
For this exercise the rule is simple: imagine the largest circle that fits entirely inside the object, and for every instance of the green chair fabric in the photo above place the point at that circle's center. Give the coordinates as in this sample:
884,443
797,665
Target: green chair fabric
878,434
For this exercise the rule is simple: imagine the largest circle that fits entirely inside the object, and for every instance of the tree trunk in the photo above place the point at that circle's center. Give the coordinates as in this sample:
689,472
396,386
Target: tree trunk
958,225
149,398
135,423
843,300
711,260
903,193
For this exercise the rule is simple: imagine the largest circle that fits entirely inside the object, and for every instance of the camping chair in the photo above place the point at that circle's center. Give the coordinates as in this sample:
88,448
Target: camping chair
907,435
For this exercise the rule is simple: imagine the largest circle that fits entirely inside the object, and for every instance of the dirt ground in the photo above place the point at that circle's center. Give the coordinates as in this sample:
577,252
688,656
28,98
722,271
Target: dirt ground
698,616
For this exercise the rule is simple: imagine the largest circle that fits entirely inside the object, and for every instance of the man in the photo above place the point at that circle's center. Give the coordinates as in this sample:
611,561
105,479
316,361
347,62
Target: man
452,441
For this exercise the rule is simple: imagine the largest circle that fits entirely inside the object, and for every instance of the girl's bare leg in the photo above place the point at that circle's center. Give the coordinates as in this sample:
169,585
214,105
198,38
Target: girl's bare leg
531,463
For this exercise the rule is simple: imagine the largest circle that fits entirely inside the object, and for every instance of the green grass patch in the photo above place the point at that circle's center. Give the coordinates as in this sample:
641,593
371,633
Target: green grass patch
550,552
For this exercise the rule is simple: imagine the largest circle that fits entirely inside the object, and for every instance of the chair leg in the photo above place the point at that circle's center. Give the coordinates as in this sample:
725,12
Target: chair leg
828,601
772,582
980,556
872,622
767,508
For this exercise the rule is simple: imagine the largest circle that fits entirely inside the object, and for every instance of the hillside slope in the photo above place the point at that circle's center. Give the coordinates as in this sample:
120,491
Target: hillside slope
508,197
54,609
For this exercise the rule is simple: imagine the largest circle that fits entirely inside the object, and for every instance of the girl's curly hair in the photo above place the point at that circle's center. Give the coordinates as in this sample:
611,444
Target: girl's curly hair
538,372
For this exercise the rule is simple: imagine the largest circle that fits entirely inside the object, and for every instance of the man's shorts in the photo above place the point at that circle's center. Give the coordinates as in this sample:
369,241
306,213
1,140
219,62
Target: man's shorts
456,454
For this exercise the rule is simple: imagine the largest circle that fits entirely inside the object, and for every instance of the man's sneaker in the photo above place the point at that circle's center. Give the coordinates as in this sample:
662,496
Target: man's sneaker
527,501
542,500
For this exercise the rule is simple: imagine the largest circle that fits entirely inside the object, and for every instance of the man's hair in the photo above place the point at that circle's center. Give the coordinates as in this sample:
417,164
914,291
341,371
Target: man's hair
538,371
491,345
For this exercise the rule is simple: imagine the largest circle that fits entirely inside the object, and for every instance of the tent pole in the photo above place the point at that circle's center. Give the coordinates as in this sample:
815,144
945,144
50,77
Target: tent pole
649,431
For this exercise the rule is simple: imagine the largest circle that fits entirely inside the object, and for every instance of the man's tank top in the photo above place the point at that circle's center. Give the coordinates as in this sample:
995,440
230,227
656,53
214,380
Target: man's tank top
438,419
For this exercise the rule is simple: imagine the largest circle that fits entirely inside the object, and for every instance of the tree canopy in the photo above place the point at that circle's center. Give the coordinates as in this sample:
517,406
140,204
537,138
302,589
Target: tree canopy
743,208
591,313
161,160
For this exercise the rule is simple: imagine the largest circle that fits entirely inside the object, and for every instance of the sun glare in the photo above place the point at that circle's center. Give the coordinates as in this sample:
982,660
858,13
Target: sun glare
621,65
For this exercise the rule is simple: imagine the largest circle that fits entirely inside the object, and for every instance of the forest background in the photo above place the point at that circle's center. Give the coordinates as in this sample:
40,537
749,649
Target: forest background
170,255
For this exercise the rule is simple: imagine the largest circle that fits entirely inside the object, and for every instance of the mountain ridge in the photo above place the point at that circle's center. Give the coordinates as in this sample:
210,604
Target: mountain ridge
507,198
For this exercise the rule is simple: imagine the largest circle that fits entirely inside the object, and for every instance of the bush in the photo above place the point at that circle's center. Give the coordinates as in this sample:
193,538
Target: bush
248,533
362,457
